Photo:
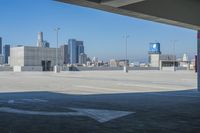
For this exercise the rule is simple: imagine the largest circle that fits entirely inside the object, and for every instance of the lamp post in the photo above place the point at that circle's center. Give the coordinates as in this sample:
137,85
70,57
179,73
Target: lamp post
174,57
126,63
56,70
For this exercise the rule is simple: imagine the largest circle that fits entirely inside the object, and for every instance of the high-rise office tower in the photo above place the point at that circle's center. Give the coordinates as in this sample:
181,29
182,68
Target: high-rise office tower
75,48
80,49
6,53
40,39
72,50
0,46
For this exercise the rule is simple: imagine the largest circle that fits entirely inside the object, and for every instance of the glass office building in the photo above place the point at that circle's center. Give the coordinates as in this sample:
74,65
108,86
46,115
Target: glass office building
0,46
6,53
75,48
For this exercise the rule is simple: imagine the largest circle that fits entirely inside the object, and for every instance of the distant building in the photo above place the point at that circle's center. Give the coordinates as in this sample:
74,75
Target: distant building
134,64
41,42
75,48
122,63
168,57
113,63
1,60
89,62
45,44
143,65
101,63
83,59
154,60
6,53
19,45
35,58
95,62
80,49
72,49
163,61
154,54
0,46
184,62
168,62
185,57
118,63
65,53
40,39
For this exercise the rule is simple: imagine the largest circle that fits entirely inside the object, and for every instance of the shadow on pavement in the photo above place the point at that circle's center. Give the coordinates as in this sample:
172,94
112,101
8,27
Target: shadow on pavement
156,112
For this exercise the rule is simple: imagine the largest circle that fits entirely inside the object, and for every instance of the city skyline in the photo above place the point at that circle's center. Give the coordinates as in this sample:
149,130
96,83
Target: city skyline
101,32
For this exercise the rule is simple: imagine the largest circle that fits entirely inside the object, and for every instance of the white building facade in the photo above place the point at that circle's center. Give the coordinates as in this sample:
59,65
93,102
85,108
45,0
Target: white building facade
35,58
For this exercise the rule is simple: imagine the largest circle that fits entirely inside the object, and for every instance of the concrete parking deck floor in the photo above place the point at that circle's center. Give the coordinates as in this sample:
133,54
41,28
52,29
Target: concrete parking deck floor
160,101
98,82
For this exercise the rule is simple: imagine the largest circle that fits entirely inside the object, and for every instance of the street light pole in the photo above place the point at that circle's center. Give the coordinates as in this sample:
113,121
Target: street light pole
56,67
126,49
126,62
174,57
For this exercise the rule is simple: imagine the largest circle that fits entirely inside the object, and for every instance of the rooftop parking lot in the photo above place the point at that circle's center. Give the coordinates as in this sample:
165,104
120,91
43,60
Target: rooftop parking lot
99,102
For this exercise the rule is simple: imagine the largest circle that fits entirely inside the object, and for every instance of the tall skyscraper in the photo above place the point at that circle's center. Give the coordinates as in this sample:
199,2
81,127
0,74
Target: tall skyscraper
6,53
0,46
40,39
72,51
80,49
75,48
41,42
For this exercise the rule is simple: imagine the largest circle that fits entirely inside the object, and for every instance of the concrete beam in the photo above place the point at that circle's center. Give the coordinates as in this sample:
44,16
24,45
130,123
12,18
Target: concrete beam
119,3
183,13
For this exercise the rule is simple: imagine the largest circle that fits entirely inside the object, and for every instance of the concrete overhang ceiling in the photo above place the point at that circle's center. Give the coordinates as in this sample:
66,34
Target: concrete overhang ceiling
184,13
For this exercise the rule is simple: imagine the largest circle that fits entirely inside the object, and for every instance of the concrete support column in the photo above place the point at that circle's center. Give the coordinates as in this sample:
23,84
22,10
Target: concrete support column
198,60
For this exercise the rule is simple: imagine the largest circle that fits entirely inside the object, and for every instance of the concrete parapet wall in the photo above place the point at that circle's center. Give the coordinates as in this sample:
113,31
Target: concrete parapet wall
106,68
168,69
6,68
26,68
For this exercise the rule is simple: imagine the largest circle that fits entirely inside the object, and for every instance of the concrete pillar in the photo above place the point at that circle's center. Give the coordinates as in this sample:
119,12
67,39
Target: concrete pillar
198,60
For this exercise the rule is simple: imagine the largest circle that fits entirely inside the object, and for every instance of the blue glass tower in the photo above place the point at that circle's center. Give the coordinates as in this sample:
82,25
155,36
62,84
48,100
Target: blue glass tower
80,49
75,48
72,51
6,53
0,45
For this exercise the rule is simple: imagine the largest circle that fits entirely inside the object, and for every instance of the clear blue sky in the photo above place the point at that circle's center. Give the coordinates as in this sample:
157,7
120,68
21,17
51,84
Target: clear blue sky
101,32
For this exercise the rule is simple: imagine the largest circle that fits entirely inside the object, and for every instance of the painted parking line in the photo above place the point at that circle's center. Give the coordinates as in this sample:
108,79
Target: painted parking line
96,88
173,95
96,114
35,100
144,86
